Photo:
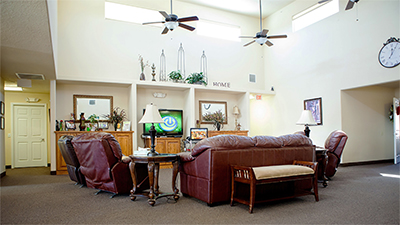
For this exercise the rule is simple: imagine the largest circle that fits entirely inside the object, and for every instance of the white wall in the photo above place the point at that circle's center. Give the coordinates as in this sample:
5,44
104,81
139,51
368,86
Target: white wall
2,133
365,118
321,60
93,48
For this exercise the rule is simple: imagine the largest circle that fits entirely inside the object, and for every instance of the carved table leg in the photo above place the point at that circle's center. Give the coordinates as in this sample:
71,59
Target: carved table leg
133,175
174,175
150,168
156,172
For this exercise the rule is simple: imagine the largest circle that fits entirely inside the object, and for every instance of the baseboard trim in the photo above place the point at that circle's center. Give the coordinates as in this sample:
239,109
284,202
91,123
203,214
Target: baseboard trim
367,162
53,172
8,167
3,174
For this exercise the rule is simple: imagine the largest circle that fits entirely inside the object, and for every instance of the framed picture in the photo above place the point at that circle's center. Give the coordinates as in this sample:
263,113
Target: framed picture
126,126
2,108
198,133
2,123
70,125
210,107
103,125
315,106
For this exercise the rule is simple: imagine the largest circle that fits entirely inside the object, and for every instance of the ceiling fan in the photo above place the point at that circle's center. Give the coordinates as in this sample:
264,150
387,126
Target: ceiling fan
172,21
261,37
349,5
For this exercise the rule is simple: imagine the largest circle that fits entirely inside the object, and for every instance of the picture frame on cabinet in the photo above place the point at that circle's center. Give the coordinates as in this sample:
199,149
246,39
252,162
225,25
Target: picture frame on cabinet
126,126
315,106
2,123
103,125
70,125
2,108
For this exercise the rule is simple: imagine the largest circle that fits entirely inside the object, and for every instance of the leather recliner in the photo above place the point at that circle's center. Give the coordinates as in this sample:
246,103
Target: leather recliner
334,144
68,153
103,165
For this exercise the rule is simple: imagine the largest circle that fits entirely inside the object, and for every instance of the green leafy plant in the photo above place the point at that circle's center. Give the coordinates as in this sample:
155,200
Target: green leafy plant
93,118
175,75
216,117
196,78
118,115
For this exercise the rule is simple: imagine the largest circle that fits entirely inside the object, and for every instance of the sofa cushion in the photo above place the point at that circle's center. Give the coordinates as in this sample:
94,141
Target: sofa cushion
295,140
268,141
223,142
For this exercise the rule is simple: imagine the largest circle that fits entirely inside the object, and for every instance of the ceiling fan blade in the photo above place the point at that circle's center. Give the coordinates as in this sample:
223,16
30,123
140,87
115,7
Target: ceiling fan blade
187,19
264,32
164,14
251,42
165,30
153,22
350,5
187,27
246,37
277,36
269,43
323,1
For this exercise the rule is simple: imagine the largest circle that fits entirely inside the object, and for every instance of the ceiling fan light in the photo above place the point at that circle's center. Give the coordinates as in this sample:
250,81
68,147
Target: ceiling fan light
261,41
171,25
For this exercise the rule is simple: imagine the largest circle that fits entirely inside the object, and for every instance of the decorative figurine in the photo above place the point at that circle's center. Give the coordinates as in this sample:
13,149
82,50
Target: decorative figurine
153,72
82,122
57,126
61,125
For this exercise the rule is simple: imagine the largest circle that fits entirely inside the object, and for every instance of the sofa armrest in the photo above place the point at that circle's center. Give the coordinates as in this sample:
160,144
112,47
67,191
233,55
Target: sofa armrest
186,156
125,159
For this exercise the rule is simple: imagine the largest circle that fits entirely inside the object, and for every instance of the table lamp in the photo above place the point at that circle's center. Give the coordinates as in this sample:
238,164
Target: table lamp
151,115
236,112
306,119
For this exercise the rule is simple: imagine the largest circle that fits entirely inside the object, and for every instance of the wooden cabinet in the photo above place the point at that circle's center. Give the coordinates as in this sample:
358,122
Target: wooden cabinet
228,132
124,139
171,145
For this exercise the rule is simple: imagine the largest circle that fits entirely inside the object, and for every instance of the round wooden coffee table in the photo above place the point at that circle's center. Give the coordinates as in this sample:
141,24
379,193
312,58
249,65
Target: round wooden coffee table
153,166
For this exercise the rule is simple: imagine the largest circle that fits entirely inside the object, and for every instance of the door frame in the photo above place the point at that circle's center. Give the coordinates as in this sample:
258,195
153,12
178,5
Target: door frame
44,105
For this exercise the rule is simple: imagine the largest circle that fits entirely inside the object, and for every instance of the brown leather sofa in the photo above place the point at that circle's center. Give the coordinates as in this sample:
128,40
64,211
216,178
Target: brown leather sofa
69,155
102,163
335,145
205,172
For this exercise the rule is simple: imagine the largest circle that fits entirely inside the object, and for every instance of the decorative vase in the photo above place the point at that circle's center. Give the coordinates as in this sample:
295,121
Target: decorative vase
142,76
218,126
115,126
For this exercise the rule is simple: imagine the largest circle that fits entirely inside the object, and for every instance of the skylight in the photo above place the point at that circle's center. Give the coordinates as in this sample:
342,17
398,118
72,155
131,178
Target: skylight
314,14
218,30
131,14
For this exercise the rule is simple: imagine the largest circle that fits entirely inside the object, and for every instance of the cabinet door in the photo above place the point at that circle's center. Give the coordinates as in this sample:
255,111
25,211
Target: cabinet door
173,146
160,145
125,141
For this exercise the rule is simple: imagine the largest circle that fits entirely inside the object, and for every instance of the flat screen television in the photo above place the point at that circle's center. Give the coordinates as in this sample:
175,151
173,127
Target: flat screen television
172,125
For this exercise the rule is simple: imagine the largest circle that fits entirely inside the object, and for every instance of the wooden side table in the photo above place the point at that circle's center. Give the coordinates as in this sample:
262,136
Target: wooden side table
153,167
320,154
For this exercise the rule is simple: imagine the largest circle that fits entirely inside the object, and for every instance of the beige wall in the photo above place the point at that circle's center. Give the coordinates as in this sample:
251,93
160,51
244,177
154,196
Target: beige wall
365,119
83,55
19,97
324,58
65,92
2,133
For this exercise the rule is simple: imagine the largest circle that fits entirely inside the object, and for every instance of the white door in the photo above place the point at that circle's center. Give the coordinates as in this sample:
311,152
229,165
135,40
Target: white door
29,135
396,124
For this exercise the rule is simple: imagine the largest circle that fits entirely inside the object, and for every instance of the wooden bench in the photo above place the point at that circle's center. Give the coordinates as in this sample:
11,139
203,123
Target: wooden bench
253,176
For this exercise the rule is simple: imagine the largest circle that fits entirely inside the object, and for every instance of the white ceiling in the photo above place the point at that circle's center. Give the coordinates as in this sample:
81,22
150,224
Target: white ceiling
245,7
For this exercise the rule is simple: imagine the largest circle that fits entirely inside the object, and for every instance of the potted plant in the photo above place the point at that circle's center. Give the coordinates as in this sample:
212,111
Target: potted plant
118,115
218,118
93,119
142,66
175,76
196,78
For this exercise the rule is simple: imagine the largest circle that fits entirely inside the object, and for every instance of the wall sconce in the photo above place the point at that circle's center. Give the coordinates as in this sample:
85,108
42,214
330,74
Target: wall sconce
30,100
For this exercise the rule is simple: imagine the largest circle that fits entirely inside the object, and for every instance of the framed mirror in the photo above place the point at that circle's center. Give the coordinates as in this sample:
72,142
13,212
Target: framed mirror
93,104
211,107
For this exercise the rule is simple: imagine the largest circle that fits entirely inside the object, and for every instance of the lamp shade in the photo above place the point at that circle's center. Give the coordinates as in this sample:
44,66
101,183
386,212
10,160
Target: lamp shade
306,118
236,110
151,115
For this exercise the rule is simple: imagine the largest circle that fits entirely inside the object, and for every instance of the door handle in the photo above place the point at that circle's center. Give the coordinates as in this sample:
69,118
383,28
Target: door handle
42,139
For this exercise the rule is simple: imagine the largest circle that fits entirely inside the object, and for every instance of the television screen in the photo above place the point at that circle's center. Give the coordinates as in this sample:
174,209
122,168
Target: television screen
172,125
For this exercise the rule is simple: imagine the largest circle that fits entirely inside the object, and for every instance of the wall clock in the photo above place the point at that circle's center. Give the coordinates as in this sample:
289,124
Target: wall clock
389,55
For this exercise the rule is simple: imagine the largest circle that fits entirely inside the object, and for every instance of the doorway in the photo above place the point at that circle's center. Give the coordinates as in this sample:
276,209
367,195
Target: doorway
29,132
396,127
